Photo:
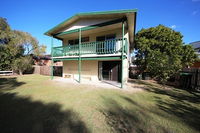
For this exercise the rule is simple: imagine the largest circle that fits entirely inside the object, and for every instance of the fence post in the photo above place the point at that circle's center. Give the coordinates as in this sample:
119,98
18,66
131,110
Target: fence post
196,79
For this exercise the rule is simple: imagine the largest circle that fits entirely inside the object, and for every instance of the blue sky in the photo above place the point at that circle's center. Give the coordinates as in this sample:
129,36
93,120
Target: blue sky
37,16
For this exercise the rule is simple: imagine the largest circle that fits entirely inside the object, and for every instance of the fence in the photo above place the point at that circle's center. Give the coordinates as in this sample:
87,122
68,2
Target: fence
6,73
190,78
46,70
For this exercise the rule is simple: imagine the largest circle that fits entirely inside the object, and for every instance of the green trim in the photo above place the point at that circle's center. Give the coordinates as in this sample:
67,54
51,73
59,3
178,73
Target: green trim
102,58
79,59
90,13
108,12
91,27
122,76
89,58
63,59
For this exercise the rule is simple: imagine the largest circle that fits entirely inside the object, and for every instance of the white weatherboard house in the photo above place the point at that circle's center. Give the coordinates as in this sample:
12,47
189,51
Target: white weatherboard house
96,45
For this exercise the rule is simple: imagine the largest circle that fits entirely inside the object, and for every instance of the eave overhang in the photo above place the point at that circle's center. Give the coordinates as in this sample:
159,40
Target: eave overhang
105,14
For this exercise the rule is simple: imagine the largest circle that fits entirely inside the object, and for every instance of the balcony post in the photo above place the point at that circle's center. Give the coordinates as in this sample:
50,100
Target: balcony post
52,61
79,59
122,56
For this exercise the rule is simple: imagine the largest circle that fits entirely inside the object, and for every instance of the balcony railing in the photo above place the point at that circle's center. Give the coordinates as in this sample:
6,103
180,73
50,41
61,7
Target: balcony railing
101,47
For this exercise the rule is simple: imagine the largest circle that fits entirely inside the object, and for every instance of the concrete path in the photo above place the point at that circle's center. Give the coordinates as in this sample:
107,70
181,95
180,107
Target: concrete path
101,84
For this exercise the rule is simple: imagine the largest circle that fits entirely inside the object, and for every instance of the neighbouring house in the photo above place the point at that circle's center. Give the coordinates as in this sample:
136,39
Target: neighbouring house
42,65
45,60
96,45
196,46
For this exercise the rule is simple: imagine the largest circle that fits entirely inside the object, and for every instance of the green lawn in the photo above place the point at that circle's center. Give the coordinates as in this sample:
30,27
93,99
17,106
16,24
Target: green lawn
35,104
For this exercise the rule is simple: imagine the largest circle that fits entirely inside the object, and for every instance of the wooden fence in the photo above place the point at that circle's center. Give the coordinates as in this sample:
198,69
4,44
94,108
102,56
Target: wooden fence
190,78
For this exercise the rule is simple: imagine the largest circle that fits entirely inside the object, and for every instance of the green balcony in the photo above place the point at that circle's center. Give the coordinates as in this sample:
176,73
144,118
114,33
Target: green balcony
92,48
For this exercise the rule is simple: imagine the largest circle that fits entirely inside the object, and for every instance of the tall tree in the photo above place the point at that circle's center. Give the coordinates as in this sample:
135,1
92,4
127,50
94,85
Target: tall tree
160,50
15,46
8,51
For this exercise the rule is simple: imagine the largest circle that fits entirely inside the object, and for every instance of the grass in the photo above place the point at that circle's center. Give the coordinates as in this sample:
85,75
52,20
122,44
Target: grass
35,104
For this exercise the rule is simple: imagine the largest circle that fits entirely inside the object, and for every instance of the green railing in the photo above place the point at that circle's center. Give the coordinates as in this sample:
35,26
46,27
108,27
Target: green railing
102,47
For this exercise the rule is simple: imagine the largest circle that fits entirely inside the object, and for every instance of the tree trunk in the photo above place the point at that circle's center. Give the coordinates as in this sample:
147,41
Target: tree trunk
20,72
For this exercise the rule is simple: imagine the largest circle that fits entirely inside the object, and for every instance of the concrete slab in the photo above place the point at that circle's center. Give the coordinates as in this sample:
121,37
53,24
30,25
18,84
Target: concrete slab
101,84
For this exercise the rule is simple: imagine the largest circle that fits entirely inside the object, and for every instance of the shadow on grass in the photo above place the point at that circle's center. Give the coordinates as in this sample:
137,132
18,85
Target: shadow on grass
22,115
183,104
132,119
174,105
9,83
174,93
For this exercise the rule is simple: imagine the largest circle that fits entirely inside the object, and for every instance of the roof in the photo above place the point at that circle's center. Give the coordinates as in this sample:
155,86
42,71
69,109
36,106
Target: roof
44,57
85,15
195,45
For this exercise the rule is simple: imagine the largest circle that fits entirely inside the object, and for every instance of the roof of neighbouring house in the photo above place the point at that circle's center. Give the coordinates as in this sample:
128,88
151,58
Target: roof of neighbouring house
85,15
195,45
44,57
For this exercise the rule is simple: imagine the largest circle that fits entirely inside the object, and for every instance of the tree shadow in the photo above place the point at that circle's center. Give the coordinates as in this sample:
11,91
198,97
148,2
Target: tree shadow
182,104
169,103
22,115
9,83
141,82
130,119
174,93
184,111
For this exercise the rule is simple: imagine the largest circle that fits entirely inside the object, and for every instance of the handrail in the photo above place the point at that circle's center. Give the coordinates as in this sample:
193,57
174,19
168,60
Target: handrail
99,47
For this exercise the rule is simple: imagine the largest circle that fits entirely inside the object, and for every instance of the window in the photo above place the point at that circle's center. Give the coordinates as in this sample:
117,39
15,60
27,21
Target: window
106,37
110,37
85,39
76,41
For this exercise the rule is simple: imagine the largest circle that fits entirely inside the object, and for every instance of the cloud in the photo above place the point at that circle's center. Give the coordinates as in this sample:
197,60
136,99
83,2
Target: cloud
195,0
173,26
194,12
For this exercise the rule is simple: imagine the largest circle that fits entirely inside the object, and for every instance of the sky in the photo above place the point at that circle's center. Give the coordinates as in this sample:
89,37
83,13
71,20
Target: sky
38,16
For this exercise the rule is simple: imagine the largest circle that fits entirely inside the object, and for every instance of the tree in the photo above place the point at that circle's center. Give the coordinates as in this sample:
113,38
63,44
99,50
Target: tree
29,43
160,50
188,56
41,50
30,46
8,51
16,46
23,63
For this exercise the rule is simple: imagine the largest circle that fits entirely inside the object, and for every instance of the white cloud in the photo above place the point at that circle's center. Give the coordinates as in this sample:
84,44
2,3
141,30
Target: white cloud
195,0
173,26
194,12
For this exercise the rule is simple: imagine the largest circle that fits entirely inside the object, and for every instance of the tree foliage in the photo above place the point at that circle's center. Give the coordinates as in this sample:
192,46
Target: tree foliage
15,46
7,51
23,63
161,51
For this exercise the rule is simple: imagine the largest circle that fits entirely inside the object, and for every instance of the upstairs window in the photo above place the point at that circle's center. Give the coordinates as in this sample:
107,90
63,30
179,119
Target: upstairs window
76,41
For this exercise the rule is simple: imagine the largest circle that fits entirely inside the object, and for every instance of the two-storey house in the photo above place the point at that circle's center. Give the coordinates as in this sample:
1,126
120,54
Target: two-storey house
96,45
